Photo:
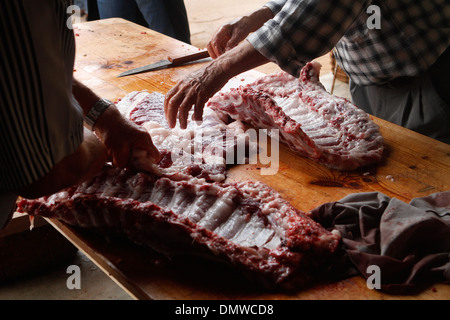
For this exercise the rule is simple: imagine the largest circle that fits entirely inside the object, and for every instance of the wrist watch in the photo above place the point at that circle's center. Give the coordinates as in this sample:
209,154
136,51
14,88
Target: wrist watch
94,113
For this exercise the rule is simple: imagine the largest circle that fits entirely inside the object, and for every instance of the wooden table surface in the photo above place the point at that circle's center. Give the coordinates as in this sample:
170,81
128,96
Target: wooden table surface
413,166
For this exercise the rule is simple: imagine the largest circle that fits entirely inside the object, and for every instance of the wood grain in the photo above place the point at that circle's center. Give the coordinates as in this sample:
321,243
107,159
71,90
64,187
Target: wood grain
413,166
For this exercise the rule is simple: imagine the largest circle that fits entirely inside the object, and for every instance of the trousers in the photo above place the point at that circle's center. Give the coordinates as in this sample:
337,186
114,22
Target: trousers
168,17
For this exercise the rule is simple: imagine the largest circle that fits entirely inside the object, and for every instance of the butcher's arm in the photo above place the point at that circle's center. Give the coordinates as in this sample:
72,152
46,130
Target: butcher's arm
121,136
118,138
196,89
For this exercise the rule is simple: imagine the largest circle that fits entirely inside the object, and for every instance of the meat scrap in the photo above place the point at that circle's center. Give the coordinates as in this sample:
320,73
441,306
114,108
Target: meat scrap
245,224
312,122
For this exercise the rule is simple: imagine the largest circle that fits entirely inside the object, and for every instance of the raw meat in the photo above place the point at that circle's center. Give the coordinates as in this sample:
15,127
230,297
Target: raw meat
326,128
245,224
199,151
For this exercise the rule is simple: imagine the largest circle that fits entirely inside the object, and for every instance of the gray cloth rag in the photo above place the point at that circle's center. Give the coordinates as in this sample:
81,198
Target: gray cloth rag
409,243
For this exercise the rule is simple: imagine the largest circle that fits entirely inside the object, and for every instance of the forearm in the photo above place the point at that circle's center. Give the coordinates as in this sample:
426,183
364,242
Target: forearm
84,95
239,59
256,19
120,136
87,99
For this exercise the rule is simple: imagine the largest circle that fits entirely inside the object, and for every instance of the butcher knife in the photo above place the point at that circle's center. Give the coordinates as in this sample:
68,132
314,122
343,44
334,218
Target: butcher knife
170,62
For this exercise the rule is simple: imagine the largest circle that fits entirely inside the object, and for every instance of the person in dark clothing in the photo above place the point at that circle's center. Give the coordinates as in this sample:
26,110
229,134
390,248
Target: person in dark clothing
165,16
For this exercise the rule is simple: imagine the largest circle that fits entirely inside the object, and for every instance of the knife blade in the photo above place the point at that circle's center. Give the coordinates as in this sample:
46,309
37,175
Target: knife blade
170,62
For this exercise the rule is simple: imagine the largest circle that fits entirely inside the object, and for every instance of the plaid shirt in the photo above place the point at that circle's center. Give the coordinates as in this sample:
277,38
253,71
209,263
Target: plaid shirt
412,35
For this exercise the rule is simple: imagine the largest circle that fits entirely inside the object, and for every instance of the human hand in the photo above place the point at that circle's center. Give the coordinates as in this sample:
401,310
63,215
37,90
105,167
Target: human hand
124,140
194,90
128,144
228,36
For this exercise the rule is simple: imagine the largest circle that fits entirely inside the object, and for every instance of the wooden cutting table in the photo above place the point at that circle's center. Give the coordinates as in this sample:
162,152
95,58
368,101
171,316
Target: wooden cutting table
413,166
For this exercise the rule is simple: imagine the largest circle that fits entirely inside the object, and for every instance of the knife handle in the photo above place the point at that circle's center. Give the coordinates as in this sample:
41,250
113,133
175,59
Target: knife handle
189,57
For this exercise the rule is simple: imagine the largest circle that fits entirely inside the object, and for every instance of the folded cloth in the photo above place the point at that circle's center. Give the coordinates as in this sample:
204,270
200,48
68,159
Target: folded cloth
409,243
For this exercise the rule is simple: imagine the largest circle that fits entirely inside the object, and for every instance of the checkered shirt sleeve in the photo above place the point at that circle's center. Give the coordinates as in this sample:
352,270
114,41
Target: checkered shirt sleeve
411,36
303,30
